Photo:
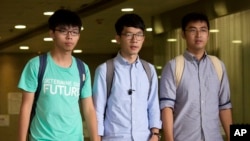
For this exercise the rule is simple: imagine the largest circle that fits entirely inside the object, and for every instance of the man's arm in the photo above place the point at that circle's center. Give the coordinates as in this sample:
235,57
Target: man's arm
100,96
154,113
226,121
24,117
90,117
167,120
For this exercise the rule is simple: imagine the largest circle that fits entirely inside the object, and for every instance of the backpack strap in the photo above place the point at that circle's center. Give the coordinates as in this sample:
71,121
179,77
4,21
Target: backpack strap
109,75
217,65
111,68
147,69
42,67
179,62
180,66
109,79
81,70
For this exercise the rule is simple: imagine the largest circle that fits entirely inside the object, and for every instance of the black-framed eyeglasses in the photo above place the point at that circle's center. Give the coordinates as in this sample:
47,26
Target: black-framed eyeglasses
66,32
130,36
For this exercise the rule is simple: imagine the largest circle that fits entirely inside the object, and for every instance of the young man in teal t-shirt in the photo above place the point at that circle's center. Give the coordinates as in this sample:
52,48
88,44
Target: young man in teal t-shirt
58,116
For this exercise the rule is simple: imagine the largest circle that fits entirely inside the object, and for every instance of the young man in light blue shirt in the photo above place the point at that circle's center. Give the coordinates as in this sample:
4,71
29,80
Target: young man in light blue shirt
130,112
193,109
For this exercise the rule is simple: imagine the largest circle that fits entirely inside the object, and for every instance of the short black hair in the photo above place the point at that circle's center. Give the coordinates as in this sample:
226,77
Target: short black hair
194,16
129,20
64,17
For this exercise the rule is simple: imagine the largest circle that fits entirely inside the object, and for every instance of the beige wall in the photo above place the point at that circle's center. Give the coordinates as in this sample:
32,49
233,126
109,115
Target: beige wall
10,73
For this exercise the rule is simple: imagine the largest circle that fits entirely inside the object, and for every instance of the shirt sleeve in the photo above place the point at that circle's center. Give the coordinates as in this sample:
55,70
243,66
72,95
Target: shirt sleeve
28,80
168,86
224,95
153,102
87,89
100,96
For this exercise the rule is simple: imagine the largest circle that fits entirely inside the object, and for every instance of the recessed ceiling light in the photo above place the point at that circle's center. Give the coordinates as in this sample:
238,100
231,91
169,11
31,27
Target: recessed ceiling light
47,39
113,41
77,51
127,9
48,13
214,30
149,29
158,67
20,26
236,41
171,40
24,47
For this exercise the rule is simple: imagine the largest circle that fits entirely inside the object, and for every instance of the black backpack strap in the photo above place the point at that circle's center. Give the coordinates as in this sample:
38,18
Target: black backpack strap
82,76
42,67
147,69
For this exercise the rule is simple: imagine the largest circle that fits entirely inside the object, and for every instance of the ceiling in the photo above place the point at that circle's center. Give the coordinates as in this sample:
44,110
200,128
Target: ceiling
98,18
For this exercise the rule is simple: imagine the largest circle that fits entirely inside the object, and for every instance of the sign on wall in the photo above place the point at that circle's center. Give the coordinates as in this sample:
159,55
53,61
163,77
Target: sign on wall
14,102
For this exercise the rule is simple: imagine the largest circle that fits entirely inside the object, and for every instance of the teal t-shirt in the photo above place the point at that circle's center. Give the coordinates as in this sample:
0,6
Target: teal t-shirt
57,115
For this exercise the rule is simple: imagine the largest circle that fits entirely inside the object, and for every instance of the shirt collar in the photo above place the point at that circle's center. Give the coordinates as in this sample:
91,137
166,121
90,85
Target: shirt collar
124,61
188,55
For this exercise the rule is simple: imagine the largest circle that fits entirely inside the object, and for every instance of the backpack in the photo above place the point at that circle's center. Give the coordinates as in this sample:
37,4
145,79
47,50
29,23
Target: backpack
110,73
42,66
180,66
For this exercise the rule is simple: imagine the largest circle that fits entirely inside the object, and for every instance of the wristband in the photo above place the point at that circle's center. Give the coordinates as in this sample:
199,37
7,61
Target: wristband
156,134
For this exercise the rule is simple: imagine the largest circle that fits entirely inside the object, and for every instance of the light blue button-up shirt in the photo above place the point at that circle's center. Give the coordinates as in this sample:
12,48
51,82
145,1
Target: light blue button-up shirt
127,117
197,100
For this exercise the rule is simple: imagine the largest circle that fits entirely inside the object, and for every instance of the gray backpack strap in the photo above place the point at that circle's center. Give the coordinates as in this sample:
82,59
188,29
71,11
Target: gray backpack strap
109,75
109,79
147,69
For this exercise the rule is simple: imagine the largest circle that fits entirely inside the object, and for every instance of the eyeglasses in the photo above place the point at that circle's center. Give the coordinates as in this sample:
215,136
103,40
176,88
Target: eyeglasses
130,36
194,31
66,32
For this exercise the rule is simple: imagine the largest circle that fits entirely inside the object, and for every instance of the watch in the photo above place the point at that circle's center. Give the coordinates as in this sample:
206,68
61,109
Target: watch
156,134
